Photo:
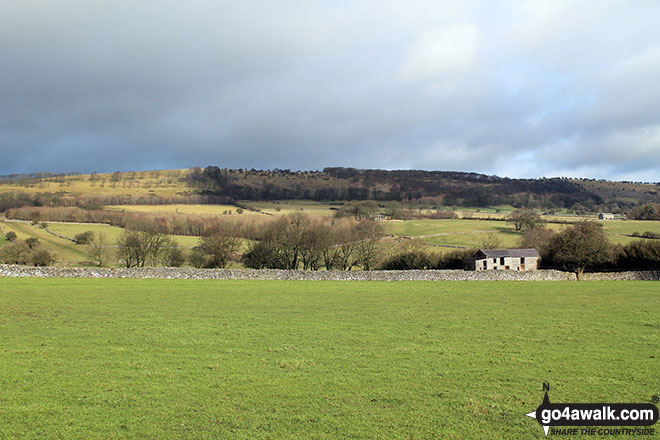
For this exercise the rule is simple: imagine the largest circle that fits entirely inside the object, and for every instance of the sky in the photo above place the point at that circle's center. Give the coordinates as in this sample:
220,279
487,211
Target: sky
512,88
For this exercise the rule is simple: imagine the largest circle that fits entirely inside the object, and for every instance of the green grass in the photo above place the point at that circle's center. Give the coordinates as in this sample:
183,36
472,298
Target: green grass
154,359
166,183
629,226
415,228
66,252
111,233
70,230
465,233
468,233
286,207
212,210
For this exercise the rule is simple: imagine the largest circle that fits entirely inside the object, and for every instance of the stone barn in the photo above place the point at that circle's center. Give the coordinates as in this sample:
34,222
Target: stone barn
504,259
605,216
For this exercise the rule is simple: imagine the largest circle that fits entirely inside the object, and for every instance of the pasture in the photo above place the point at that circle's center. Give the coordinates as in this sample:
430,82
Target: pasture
153,359
212,210
66,252
286,207
164,183
469,233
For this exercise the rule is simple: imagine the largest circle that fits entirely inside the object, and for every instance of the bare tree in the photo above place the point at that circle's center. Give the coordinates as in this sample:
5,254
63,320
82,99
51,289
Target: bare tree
140,248
523,220
98,250
489,240
367,233
312,245
347,256
221,246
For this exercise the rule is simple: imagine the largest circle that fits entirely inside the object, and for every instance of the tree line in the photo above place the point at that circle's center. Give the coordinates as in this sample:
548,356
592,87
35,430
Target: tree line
334,184
20,199
648,211
172,224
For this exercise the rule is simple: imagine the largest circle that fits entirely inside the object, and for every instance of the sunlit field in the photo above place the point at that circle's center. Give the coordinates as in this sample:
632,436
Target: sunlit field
275,359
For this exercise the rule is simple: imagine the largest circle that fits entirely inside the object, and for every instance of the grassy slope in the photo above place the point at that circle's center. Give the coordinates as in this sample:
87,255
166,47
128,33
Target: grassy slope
468,233
287,207
66,252
460,233
214,210
165,183
203,359
111,233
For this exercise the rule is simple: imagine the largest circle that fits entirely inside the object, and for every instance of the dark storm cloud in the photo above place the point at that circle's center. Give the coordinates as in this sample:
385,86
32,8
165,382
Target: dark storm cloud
523,89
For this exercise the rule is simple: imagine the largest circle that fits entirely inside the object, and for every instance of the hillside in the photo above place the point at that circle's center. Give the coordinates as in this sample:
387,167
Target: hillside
444,187
440,211
216,185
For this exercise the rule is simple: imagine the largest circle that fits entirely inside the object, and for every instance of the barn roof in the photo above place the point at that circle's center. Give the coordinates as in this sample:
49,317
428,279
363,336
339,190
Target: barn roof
498,253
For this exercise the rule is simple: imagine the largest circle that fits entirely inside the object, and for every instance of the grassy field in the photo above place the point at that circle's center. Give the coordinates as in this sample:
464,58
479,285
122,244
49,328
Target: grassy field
469,233
154,359
461,233
166,183
286,207
66,252
111,233
214,210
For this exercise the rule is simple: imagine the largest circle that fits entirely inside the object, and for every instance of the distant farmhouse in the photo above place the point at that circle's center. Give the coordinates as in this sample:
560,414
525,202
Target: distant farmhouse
504,259
605,216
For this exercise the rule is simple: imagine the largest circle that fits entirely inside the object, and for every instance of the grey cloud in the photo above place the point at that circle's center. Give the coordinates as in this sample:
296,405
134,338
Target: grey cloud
547,88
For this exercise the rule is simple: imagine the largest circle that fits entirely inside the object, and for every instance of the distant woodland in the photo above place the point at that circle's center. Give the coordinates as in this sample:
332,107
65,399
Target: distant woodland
432,189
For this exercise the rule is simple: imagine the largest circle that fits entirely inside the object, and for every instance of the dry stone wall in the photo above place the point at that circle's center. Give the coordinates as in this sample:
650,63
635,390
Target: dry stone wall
272,274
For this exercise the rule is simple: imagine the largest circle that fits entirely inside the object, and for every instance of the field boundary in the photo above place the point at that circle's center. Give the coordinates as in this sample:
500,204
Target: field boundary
275,274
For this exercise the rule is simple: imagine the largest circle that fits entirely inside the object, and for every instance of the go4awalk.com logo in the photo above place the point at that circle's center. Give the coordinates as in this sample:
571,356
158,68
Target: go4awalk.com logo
603,419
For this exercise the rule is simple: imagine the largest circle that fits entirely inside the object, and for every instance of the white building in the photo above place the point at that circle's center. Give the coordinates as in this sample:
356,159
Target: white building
504,259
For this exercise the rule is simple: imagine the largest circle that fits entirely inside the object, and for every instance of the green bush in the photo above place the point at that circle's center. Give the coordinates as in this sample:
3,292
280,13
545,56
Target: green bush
32,242
454,259
174,257
415,259
16,252
42,258
84,238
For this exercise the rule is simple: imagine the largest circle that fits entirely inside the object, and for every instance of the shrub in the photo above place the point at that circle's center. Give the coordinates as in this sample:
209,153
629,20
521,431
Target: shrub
442,214
537,237
414,259
198,258
32,242
11,236
642,254
174,257
42,258
15,253
454,259
84,238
